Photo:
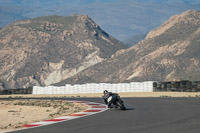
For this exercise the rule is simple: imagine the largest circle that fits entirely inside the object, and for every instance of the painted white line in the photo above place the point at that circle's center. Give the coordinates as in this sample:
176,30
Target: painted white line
41,123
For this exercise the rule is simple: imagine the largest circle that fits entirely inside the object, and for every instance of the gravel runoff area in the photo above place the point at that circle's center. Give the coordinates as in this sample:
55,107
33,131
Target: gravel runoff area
16,113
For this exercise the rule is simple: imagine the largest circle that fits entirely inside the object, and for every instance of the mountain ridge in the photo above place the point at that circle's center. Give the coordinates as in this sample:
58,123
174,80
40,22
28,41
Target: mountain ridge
168,53
46,50
55,50
121,19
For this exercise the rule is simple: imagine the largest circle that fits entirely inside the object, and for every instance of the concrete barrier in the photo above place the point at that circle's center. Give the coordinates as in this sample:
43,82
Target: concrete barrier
146,86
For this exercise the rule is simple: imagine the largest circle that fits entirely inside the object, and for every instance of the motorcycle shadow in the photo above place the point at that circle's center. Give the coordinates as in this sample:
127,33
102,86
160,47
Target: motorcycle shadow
127,109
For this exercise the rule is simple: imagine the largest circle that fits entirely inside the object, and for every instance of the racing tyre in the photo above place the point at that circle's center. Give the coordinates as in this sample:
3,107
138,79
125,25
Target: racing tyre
121,105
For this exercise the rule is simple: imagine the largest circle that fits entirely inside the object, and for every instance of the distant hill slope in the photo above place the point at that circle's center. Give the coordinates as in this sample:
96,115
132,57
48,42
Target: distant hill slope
47,50
169,52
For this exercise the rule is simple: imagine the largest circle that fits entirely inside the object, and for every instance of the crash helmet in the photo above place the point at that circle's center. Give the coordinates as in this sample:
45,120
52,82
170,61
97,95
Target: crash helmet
104,92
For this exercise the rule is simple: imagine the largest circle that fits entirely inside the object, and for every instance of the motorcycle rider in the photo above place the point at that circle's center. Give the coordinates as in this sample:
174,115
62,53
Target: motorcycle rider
107,95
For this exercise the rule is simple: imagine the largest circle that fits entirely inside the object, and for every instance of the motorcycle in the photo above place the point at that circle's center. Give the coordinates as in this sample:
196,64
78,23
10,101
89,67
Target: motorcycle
116,101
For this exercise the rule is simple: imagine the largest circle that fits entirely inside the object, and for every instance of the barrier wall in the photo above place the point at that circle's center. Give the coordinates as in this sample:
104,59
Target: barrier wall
177,86
95,88
148,86
16,91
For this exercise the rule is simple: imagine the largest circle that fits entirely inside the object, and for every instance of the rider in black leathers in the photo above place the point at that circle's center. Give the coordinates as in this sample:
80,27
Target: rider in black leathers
107,95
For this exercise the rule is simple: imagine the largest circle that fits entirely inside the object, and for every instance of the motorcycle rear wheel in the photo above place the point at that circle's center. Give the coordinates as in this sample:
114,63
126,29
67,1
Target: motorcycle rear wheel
120,105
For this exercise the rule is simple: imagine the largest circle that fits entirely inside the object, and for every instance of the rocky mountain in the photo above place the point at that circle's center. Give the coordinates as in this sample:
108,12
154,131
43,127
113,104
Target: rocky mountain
169,52
120,18
47,50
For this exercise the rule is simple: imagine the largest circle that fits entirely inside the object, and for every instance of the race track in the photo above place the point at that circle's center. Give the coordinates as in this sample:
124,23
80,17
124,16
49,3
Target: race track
144,115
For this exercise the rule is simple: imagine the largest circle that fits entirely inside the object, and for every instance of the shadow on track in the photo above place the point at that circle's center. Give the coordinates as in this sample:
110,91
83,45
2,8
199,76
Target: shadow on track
127,109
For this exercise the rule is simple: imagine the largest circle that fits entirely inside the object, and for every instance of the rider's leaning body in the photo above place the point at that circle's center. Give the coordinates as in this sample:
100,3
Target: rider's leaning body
106,96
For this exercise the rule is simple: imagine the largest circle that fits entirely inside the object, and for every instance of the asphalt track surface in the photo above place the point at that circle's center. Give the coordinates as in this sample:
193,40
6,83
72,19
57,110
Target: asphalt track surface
143,115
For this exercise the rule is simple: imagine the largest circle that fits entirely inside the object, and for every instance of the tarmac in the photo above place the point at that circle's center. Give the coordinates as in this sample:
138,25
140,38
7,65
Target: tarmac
143,115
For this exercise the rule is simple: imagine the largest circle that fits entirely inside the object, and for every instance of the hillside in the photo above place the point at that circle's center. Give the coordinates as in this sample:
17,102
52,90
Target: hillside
47,50
169,52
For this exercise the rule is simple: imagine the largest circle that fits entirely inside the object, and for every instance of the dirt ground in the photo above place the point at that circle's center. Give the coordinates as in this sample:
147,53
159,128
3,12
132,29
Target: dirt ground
123,94
15,113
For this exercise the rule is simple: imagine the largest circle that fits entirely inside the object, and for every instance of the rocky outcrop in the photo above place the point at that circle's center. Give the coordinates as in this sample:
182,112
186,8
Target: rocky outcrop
169,52
47,50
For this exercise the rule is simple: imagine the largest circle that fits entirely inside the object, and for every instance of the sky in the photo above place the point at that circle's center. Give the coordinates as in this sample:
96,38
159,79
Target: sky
120,18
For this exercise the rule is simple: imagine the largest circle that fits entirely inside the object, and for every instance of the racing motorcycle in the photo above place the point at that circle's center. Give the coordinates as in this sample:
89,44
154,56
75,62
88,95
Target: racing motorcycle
116,101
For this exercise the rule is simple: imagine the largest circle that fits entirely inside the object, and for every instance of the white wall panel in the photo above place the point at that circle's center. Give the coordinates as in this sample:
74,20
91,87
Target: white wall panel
146,86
